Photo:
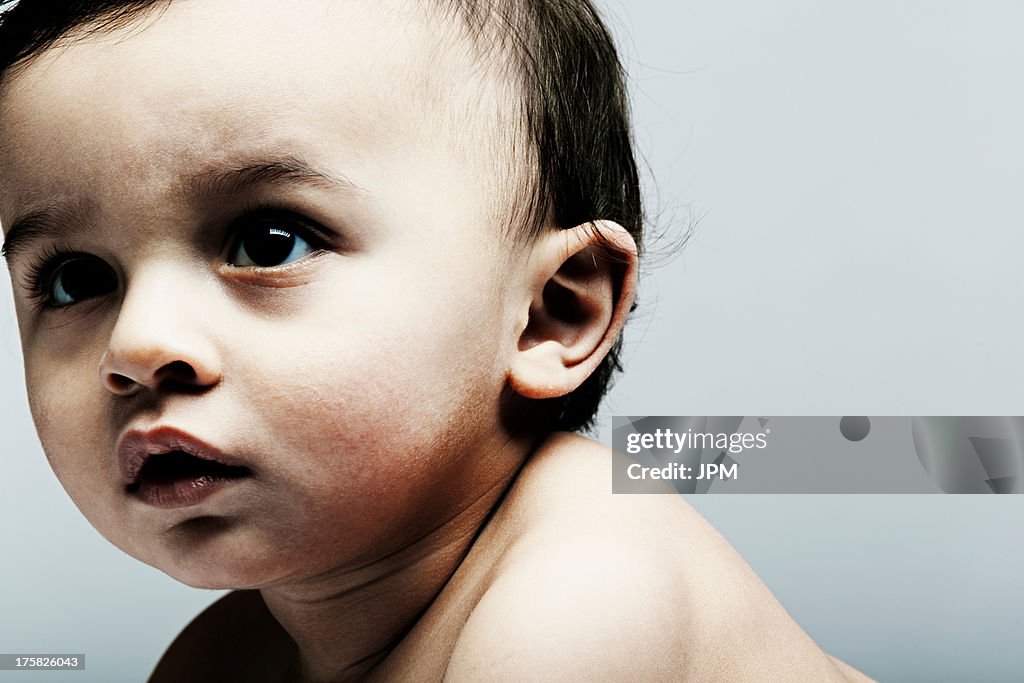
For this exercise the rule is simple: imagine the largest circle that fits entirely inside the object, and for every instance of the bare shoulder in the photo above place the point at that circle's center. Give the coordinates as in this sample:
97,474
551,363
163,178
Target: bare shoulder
597,586
235,638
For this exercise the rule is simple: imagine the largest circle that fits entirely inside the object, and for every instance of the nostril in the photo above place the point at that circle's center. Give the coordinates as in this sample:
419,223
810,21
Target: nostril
177,370
120,383
180,376
127,373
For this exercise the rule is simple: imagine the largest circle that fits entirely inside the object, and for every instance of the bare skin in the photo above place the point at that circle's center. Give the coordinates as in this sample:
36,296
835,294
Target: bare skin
390,523
562,560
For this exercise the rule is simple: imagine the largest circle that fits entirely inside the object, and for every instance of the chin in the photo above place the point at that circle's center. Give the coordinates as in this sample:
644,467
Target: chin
206,583
218,578
215,567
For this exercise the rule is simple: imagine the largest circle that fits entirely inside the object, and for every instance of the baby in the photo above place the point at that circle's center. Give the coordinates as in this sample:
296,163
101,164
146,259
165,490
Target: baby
314,296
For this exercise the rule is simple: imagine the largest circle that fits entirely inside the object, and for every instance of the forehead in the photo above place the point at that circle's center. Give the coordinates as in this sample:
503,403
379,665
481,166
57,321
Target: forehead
194,82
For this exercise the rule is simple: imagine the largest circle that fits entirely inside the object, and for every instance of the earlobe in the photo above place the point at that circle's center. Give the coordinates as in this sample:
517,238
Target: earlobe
583,281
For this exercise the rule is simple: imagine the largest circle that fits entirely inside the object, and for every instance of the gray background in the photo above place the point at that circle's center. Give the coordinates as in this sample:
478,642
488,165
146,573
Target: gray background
855,168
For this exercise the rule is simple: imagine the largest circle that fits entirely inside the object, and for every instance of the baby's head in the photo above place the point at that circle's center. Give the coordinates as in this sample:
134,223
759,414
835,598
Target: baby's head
354,248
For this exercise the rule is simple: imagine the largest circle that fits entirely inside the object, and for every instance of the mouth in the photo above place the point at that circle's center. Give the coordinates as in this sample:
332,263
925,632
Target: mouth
167,468
180,467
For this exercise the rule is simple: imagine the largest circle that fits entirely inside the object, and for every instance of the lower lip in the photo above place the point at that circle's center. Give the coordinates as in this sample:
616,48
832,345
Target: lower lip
181,493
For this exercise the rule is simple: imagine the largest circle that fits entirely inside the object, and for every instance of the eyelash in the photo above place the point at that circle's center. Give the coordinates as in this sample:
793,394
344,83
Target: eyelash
40,270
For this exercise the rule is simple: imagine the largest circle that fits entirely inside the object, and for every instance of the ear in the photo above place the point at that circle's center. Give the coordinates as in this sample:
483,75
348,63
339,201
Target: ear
582,282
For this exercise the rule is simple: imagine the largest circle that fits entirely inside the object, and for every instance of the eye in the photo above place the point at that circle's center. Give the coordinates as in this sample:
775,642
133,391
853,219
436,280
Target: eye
268,241
74,279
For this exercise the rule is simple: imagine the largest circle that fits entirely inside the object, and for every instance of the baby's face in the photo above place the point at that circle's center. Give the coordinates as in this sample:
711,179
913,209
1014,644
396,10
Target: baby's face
278,248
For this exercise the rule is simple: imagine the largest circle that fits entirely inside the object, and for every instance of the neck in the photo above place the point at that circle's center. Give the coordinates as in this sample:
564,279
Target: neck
347,620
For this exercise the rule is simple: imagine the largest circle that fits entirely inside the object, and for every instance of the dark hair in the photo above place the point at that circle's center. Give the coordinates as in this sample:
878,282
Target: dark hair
575,115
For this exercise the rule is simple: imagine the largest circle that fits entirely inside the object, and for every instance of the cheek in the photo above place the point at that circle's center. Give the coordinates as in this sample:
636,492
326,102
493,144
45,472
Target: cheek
381,402
356,455
361,397
65,411
406,352
68,408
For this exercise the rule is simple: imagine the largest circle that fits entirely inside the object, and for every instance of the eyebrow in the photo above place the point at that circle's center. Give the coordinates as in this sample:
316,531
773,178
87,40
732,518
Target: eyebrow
55,222
51,222
278,171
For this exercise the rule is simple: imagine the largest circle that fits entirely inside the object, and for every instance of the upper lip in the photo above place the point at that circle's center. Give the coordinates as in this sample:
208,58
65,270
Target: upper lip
136,446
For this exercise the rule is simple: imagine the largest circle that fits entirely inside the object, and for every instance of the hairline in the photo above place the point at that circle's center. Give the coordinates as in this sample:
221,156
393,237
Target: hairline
490,110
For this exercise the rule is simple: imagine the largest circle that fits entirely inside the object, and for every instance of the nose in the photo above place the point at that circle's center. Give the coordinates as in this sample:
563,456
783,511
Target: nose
158,341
